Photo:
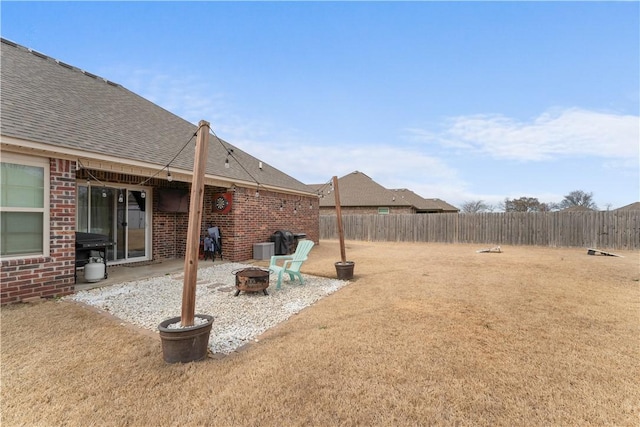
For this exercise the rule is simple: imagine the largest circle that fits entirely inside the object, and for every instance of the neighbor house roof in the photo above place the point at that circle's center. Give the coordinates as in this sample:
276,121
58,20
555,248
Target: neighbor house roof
632,207
359,190
55,109
424,205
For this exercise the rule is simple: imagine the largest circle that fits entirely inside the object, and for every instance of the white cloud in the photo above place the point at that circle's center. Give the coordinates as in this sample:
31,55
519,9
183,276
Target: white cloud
315,164
555,133
422,167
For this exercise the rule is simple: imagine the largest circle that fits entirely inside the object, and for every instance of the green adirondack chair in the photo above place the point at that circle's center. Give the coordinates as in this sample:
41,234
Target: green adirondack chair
291,263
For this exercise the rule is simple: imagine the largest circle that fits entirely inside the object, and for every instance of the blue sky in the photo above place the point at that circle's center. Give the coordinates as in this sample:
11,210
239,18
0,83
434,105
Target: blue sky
453,100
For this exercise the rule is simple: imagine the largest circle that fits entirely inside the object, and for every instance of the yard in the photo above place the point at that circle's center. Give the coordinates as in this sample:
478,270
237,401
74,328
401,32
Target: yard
426,334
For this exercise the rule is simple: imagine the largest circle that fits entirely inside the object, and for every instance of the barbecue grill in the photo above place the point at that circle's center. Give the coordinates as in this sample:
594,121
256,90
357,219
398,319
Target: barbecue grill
91,245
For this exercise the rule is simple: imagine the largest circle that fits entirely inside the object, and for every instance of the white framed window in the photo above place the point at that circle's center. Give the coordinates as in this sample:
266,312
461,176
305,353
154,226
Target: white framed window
383,211
24,206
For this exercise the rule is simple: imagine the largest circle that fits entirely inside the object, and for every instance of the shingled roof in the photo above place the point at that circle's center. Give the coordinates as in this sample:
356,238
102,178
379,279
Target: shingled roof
359,190
57,109
424,205
631,207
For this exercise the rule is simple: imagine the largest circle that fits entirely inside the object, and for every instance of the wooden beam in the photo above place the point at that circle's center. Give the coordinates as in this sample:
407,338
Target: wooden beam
195,221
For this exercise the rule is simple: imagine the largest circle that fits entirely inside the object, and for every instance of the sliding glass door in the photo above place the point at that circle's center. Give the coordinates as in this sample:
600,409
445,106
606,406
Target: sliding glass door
134,225
121,214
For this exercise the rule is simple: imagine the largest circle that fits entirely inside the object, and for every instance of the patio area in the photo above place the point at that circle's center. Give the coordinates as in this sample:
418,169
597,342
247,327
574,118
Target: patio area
144,295
129,272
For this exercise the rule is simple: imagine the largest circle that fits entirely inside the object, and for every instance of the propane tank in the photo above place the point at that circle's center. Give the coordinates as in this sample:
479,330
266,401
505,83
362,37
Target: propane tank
94,270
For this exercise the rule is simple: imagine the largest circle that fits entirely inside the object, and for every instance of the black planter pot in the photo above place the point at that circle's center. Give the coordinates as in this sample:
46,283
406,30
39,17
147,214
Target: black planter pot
185,345
344,270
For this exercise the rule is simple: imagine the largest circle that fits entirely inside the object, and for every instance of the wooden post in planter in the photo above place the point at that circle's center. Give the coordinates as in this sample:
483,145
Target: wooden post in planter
195,221
344,269
336,194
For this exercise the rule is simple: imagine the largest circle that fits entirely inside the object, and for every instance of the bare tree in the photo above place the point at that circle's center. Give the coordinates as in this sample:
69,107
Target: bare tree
525,204
578,198
476,206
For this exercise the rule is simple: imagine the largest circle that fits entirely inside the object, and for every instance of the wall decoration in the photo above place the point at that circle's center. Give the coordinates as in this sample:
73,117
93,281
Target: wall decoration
222,202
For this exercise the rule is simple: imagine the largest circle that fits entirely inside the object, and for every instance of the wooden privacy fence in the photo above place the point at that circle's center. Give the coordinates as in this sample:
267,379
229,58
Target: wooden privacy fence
609,229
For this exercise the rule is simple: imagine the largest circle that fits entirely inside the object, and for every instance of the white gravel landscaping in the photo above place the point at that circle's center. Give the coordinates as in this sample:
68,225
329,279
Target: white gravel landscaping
237,320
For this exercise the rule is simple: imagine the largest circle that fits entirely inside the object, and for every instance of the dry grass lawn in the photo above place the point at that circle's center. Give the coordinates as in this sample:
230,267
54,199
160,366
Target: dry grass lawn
426,334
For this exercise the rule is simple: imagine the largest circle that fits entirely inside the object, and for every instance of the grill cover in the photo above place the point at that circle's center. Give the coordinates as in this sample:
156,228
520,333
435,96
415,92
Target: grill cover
89,240
283,242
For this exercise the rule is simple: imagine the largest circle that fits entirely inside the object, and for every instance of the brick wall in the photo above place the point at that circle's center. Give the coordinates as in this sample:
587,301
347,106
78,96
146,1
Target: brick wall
170,229
50,276
254,219
169,234
251,220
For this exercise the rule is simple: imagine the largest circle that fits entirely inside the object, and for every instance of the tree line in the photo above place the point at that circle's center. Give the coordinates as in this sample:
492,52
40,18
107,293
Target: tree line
532,204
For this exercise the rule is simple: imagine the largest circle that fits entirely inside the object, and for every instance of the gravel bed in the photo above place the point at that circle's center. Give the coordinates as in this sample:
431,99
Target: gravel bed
237,320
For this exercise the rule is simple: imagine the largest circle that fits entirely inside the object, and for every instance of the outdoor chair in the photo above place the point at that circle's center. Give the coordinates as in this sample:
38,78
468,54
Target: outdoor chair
291,263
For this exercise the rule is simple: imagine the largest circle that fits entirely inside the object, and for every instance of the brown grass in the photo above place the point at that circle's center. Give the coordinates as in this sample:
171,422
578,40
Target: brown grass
427,334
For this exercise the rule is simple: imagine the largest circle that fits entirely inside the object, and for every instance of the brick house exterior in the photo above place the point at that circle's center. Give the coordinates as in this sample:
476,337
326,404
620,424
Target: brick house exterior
127,152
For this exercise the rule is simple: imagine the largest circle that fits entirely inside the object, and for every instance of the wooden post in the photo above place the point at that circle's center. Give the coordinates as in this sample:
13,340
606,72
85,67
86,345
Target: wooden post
336,194
195,221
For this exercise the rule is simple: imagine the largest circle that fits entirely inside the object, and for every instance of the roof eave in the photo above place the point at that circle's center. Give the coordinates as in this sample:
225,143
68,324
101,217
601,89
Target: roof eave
97,161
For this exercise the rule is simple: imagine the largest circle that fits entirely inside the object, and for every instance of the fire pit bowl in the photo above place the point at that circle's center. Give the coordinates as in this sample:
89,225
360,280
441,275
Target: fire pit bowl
252,279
